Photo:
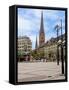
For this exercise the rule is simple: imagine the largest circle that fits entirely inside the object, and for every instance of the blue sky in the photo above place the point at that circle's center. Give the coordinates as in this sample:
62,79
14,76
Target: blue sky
29,23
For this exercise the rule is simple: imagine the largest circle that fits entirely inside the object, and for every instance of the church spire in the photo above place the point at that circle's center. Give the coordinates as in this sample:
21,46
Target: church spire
36,44
41,32
42,24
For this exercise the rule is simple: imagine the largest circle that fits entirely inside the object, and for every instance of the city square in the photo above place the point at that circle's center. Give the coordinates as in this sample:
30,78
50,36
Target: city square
38,71
41,51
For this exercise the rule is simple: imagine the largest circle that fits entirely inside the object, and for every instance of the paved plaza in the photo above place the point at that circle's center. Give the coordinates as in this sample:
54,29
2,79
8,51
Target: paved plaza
38,71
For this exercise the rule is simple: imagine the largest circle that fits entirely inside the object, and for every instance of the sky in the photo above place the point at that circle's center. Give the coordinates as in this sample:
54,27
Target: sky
29,23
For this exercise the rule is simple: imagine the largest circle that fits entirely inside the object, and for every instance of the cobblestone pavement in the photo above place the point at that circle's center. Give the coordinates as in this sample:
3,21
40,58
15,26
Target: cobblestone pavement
38,71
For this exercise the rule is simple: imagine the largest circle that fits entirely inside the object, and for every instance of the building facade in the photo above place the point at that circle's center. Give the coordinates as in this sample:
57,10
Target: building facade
48,50
24,45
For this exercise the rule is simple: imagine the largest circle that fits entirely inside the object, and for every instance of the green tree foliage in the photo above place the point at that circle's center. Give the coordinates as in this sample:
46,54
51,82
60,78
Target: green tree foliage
37,55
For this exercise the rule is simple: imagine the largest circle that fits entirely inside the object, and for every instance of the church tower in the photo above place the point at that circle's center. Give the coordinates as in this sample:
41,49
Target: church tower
36,44
41,32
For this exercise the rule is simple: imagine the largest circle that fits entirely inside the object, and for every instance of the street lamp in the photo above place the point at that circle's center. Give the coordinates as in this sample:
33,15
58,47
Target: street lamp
62,59
57,27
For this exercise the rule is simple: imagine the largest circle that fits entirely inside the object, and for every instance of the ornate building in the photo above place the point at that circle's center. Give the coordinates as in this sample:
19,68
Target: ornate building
24,45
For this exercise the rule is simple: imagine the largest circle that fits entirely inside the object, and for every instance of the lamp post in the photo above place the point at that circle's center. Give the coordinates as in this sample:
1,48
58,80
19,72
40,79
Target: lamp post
57,29
62,59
